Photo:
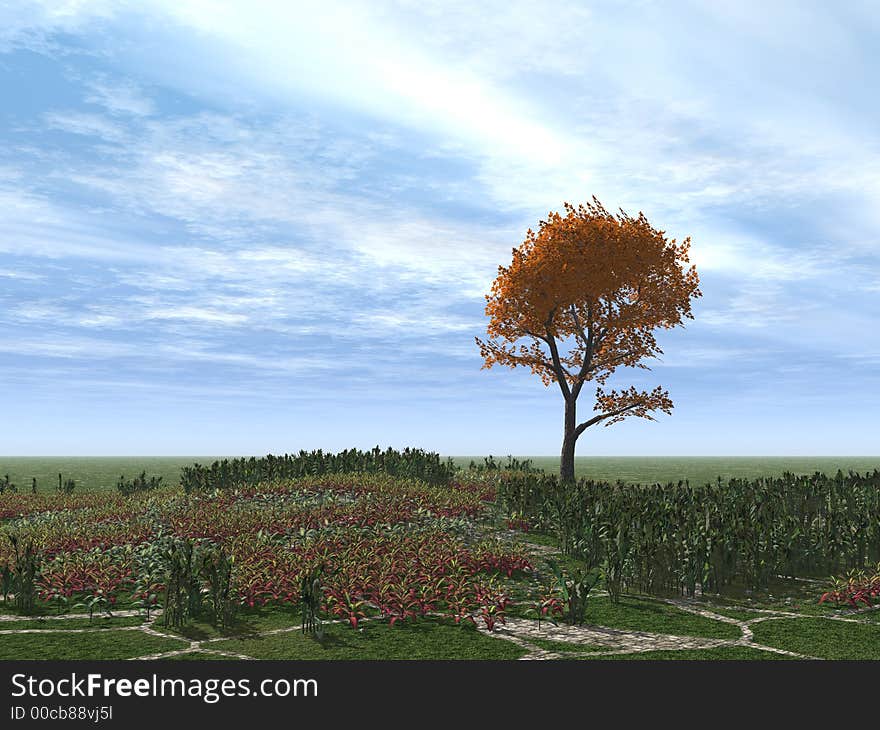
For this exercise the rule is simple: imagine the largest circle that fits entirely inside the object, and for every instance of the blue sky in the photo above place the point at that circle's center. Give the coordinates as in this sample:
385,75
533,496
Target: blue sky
251,227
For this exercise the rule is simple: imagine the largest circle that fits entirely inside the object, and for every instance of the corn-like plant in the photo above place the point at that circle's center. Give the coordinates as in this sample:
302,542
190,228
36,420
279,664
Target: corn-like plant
682,538
25,571
150,571
138,484
311,598
513,464
7,581
217,569
183,594
94,602
237,473
66,486
574,590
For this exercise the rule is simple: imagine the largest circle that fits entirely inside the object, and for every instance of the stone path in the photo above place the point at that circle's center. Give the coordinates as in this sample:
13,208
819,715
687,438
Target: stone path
603,641
585,641
63,616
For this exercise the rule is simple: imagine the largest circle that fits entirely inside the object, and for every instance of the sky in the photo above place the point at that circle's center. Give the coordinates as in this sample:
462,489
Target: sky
259,227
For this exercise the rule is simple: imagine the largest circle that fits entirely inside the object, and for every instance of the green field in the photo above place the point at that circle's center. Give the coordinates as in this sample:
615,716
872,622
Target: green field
96,472
92,472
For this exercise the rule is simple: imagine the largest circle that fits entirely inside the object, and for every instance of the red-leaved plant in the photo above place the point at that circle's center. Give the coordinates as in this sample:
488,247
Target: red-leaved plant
856,588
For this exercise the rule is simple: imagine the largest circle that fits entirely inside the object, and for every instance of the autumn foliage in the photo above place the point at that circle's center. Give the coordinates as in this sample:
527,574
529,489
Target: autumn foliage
584,296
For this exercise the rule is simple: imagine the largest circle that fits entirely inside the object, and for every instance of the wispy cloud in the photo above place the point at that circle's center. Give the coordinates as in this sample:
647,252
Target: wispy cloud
120,98
91,125
173,216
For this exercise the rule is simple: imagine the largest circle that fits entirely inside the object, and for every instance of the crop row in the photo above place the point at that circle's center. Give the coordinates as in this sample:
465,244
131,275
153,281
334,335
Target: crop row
236,473
663,539
280,509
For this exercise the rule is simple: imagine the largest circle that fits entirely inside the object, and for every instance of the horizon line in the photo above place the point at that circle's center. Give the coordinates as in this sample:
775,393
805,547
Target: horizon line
454,456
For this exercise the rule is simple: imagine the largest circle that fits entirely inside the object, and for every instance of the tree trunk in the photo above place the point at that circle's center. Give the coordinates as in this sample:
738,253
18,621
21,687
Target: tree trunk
566,464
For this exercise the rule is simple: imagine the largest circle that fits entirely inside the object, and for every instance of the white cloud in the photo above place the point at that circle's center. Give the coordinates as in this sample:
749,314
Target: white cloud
696,356
20,275
419,323
34,23
301,364
248,187
198,314
752,257
626,114
35,225
120,98
69,347
259,240
90,125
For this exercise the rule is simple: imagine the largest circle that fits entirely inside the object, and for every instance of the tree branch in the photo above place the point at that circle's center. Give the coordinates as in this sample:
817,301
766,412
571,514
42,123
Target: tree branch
561,373
588,352
601,417
535,335
620,358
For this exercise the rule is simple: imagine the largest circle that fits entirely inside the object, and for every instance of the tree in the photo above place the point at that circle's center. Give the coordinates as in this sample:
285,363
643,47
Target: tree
583,297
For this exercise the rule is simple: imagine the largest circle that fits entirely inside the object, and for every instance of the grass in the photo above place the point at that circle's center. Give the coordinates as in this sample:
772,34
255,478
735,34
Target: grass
822,638
642,614
792,596
416,640
738,614
100,644
92,473
98,622
8,608
249,621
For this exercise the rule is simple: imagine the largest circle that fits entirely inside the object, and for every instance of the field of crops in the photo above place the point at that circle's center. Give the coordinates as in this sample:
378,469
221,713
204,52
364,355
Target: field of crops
367,548
711,538
361,566
102,473
387,541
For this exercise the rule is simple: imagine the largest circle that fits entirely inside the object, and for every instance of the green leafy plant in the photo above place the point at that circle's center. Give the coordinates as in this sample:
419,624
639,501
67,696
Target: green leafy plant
513,464
149,568
95,602
138,484
7,581
681,538
237,473
574,590
66,486
311,599
183,595
25,571
218,569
